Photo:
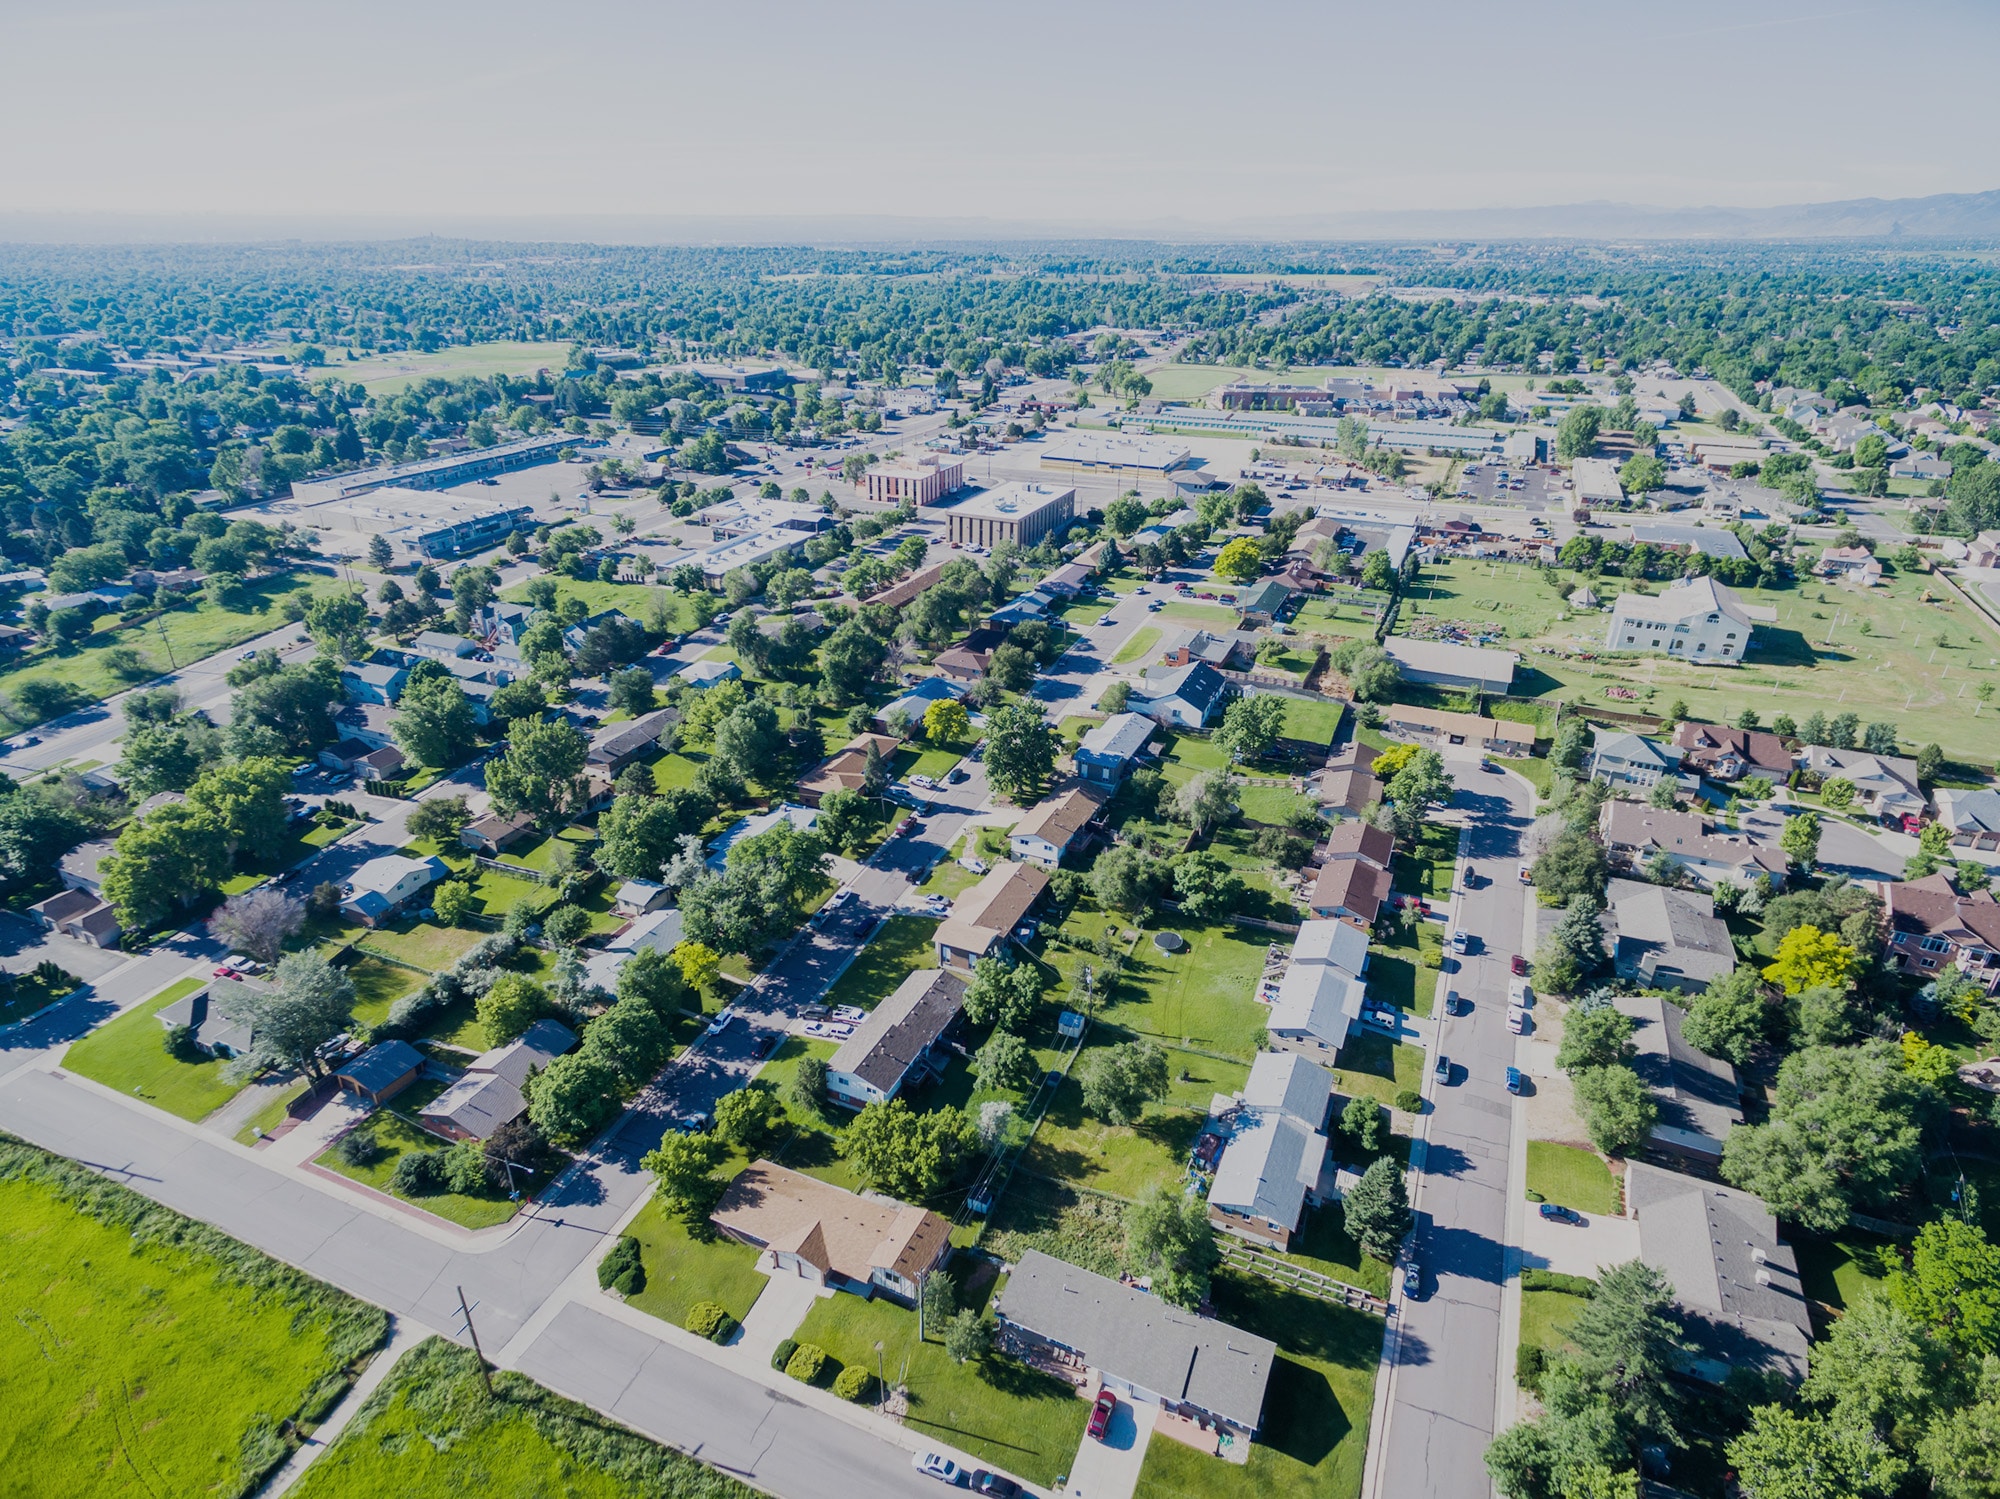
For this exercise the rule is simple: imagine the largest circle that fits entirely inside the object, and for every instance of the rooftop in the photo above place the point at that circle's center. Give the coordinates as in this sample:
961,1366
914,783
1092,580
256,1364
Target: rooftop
1119,737
1013,501
901,1028
1709,541
1444,658
1697,1093
830,1228
1057,817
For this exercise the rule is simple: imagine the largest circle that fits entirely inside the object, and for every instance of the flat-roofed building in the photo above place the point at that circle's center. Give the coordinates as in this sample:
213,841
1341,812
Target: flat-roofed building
1446,664
1107,453
916,481
439,473
1020,513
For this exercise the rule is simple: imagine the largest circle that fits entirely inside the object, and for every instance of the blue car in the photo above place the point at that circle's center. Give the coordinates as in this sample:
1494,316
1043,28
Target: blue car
1515,1082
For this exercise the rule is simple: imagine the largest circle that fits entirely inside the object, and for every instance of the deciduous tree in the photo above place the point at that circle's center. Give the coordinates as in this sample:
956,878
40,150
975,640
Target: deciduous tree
1119,1081
1169,1237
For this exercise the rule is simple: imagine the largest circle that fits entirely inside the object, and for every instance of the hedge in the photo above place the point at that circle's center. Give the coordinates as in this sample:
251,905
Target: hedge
707,1320
622,1270
854,1383
807,1363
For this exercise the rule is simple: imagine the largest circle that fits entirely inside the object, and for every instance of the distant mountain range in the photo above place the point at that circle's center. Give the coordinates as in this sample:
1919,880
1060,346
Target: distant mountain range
1943,216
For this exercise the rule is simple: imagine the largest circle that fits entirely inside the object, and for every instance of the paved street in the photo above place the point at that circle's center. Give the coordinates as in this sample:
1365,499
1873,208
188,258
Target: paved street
1438,1415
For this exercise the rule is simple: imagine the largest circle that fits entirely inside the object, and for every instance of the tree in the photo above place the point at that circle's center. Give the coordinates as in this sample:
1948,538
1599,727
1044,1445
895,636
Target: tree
434,721
1961,1450
1004,1062
308,1004
573,1097
165,757
966,1337
1952,1288
652,978
167,858
1729,1018
749,1116
566,925
1207,888
906,1154
1875,1369
1573,866
849,659
808,1085
1642,474
1020,751
1573,949
636,837
1125,878
523,698
258,922
1241,561
338,624
682,1164
439,820
1572,747
34,832
699,964
1930,759
1251,725
1800,839
1169,1237
1011,668
633,692
1363,1125
1003,996
1789,1456
1617,1108
1119,1081
247,801
541,772
1376,570
1420,785
453,901
749,740
1596,1037
947,722
1809,958
1377,1208
1208,800
1845,1130
1576,434
511,1004
1630,1342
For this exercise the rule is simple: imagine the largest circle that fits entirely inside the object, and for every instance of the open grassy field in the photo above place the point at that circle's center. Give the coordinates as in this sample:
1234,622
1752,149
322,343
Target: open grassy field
385,374
900,948
1211,616
682,1270
130,1054
121,1315
1313,722
1202,996
425,944
377,987
995,1409
638,600
1570,1175
431,1431
1316,1408
1370,1065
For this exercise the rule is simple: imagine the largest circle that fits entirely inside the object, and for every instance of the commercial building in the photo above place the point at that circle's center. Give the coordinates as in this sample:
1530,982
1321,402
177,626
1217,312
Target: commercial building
1596,482
421,523
1021,513
831,1237
919,481
1473,667
725,557
440,473
1107,453
899,1045
1697,619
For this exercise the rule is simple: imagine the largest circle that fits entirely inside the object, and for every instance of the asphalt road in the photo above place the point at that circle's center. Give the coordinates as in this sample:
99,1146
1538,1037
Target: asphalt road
1439,1414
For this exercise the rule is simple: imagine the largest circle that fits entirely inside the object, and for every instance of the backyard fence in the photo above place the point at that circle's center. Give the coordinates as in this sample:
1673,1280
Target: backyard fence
1294,1277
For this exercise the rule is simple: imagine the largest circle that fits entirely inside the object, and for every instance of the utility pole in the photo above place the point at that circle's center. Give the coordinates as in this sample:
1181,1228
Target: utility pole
465,1311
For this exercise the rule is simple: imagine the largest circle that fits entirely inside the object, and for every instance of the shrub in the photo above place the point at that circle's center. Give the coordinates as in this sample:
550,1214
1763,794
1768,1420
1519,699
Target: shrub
782,1354
1530,1361
854,1383
806,1364
418,1173
464,1168
622,1270
1410,1101
180,1045
1554,1280
359,1148
707,1320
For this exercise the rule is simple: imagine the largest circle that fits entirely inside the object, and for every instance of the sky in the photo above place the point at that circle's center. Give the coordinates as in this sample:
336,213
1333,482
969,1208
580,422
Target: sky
1110,115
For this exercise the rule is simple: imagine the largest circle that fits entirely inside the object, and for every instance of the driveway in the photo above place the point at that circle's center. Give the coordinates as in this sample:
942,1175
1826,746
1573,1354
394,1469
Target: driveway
23,944
1589,1248
1110,1469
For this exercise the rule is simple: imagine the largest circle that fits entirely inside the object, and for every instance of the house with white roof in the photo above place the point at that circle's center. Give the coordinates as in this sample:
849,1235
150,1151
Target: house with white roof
1107,751
1697,619
1320,997
750,827
1183,697
709,673
1271,1167
380,888
1885,786
659,930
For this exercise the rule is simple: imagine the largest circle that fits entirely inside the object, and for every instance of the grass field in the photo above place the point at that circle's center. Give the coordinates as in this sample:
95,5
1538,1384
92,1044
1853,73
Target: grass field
429,946
1274,805
385,374
1322,1244
431,1431
1546,1316
377,987
1316,1408
1215,616
1139,646
681,1270
130,1054
638,600
900,948
1837,1269
1201,996
152,1355
995,1409
1312,722
1570,1175
1373,1066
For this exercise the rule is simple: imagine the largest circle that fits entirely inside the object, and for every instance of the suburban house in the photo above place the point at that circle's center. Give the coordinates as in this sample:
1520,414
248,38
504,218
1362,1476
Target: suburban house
1106,753
1634,832
1667,938
1972,816
1738,1286
437,645
911,707
832,1237
1855,564
1932,924
845,769
362,760
378,889
1351,890
1262,604
493,1089
496,832
82,868
637,897
1885,786
966,661
1621,759
1231,652
1698,1096
382,1071
1320,997
1056,824
1725,754
1437,729
81,914
898,1045
659,929
1067,581
504,622
211,1032
1054,1314
1696,619
753,825
709,673
372,682
374,724
1184,697
1347,791
1356,840
985,916
617,745
1270,1168
1474,668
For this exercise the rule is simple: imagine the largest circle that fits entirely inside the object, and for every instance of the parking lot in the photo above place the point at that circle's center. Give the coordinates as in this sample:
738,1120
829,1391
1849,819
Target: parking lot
1499,484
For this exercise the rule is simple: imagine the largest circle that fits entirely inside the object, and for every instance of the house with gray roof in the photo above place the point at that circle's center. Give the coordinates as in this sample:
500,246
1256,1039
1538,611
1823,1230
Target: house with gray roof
382,1071
1105,753
1972,816
897,1046
617,745
1262,603
1183,697
1135,1344
372,682
1445,663
493,1089
1709,541
209,1030
82,868
1738,1286
1271,1167
1698,1095
1621,759
1667,938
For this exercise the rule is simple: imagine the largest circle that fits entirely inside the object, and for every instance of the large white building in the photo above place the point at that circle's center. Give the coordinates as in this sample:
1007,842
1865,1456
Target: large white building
1020,513
1697,619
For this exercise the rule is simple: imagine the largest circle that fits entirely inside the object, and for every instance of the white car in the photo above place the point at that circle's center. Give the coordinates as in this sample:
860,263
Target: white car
977,866
1458,943
937,1465
1519,995
1518,1022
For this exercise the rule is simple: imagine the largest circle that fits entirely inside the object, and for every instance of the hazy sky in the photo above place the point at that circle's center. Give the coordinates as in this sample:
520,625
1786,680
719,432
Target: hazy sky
1105,113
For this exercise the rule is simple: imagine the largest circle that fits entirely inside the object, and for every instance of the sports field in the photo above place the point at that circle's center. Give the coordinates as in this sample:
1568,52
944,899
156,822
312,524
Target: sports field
385,374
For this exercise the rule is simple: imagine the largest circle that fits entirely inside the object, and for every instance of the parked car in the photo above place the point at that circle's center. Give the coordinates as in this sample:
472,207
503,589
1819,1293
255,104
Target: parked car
838,899
721,1023
1442,1068
1100,1414
1519,995
999,1485
1519,1023
1413,1279
1527,873
763,1044
937,1465
1456,1003
954,775
1516,1083
1558,1214
1518,966
1460,944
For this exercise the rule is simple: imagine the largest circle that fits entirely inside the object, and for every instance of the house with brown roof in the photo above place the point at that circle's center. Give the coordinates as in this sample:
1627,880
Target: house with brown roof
832,1237
896,595
898,1045
1725,754
496,832
985,916
1056,824
966,661
1932,924
1357,840
1437,729
844,770
1348,792
1350,890
1634,832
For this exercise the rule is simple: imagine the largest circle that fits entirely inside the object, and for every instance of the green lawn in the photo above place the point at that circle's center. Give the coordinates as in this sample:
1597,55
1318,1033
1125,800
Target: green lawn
999,1411
949,877
431,1431
540,856
638,600
397,1135
1187,755
1312,722
1123,1160
424,944
1139,646
1373,1066
130,1054
900,948
1213,616
151,1355
934,762
377,987
1202,996
681,1270
1536,771
389,373
1316,1407
1570,1175
1084,611
677,769
1546,1316
1272,805
272,1114
1403,969
1322,1244
1837,1269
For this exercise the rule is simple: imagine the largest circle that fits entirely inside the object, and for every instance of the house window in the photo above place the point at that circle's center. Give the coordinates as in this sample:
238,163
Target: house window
1936,944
